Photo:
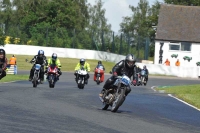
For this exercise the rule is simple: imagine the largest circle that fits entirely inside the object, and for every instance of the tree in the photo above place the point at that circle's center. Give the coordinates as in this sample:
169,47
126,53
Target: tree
6,14
98,27
183,2
139,26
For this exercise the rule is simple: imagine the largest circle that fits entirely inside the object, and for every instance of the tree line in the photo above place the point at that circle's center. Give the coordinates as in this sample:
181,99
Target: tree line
77,24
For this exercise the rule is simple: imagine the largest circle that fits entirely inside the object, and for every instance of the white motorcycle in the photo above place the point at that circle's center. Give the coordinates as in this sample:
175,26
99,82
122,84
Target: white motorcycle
81,77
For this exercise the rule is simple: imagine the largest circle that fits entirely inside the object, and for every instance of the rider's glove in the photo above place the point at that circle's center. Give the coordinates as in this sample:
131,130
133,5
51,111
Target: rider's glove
115,74
134,82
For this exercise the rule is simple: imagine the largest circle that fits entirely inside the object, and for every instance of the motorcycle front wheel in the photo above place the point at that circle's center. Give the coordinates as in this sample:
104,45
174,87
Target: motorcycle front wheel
118,101
34,81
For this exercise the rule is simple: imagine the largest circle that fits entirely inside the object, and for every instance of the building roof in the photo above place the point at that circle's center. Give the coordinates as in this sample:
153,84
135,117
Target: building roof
178,23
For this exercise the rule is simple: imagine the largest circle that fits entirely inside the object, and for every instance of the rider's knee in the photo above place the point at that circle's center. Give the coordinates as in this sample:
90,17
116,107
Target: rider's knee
128,90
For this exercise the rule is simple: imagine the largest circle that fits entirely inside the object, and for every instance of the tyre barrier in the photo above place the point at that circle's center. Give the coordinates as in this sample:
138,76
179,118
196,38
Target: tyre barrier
11,69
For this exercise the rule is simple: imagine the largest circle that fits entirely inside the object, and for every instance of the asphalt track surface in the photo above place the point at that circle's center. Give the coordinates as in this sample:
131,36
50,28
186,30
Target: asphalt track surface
67,109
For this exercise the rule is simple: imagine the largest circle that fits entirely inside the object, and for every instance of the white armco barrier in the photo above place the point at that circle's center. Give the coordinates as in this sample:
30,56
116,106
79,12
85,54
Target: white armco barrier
11,69
190,72
62,52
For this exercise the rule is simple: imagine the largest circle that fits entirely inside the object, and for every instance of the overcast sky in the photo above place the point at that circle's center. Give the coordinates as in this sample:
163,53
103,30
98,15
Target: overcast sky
117,9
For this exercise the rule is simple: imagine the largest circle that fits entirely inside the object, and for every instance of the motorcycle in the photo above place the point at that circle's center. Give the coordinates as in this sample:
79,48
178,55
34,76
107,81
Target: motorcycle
36,76
52,73
99,75
143,77
115,96
81,76
139,82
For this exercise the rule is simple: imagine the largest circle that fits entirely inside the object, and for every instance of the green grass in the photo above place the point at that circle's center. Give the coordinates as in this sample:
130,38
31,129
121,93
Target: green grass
151,58
188,93
68,64
10,77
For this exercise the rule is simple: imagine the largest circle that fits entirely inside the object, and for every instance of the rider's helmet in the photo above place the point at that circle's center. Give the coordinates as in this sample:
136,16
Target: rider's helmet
130,61
144,67
2,53
99,62
82,61
40,53
54,56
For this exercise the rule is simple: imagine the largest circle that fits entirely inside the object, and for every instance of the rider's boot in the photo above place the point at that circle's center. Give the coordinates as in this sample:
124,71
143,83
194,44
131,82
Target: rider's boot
86,81
30,78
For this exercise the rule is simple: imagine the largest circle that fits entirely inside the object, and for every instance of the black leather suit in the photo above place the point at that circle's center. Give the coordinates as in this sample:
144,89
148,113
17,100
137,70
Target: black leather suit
121,68
39,60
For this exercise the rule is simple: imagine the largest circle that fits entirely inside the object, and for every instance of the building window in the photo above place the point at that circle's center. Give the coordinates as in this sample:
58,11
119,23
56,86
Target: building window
185,46
182,46
175,46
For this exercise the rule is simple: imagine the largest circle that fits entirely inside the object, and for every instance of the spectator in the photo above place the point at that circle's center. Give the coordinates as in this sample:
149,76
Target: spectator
167,62
13,60
177,62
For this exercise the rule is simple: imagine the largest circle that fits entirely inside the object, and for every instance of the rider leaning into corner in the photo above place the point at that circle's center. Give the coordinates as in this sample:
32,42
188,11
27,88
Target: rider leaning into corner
38,59
3,63
127,67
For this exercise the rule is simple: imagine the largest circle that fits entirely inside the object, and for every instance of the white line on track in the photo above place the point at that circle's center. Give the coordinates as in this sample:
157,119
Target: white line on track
10,82
170,95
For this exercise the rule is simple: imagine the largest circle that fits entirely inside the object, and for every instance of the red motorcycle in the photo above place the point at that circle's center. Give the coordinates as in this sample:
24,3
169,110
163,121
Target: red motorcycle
99,75
52,74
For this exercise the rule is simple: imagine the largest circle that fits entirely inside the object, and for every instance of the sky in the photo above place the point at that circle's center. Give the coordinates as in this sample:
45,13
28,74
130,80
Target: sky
117,9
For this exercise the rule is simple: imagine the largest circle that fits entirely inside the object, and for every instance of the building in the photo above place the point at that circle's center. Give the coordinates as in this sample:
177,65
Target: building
178,35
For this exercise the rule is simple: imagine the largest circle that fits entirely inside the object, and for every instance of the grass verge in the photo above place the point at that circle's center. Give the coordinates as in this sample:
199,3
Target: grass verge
9,78
68,64
188,93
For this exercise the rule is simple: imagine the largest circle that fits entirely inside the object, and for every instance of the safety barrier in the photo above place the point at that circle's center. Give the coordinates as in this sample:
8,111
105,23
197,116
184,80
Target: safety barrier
147,61
182,71
63,52
11,69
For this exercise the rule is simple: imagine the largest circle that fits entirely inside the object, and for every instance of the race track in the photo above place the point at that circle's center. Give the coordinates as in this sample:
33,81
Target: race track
67,109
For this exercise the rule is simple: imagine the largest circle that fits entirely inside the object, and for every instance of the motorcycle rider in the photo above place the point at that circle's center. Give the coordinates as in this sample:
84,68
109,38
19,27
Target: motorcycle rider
38,59
126,66
86,66
102,68
100,65
3,63
147,71
138,70
54,61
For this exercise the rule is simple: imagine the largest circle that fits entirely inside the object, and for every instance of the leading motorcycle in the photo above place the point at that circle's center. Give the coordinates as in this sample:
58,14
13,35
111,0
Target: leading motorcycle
52,74
115,96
